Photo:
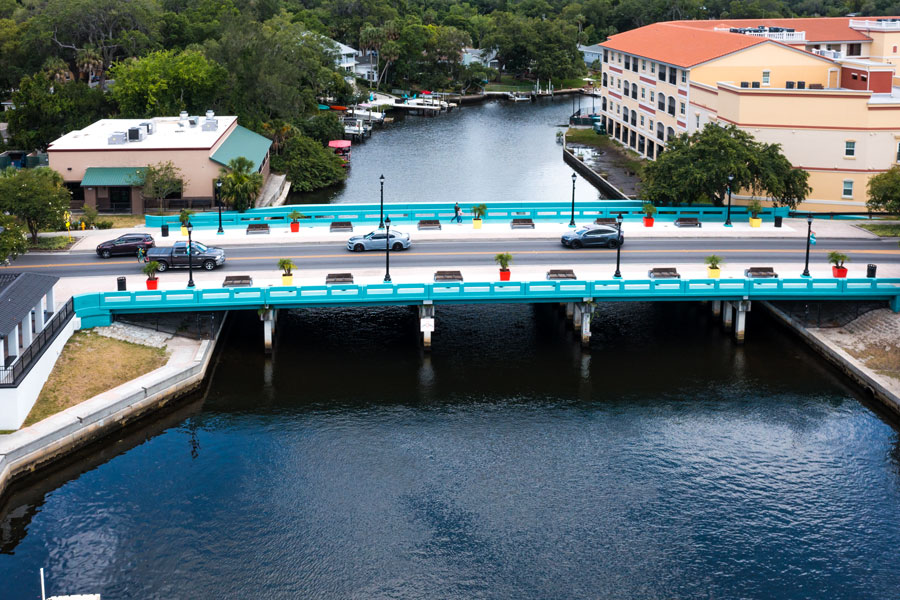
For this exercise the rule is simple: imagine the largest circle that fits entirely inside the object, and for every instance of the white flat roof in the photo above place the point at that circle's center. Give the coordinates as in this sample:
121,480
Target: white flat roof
171,132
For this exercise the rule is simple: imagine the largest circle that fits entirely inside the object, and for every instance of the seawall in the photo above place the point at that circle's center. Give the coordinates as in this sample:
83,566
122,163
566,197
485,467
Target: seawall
606,188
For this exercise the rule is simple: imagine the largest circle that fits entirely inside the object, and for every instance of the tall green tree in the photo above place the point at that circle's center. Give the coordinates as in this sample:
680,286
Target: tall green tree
240,184
308,165
884,191
160,181
165,83
12,238
36,197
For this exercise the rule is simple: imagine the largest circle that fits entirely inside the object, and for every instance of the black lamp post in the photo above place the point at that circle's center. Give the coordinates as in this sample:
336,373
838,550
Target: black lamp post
809,218
728,215
387,250
218,190
572,220
381,213
618,274
190,253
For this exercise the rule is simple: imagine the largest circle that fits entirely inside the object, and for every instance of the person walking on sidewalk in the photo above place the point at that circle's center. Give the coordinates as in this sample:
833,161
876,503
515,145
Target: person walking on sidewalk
141,253
457,214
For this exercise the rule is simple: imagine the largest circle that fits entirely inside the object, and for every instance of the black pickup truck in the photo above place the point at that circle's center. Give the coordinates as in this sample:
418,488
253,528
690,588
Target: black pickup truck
176,256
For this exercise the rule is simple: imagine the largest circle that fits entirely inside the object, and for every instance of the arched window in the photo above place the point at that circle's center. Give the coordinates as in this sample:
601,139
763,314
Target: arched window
662,102
660,132
604,80
672,105
670,133
633,118
603,104
634,91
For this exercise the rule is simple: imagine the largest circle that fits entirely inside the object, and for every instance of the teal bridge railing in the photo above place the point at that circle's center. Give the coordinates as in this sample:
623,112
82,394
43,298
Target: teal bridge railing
97,309
410,214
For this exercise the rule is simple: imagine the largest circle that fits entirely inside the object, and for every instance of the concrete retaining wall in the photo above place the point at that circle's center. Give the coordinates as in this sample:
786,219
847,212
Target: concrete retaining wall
846,363
606,188
16,403
33,447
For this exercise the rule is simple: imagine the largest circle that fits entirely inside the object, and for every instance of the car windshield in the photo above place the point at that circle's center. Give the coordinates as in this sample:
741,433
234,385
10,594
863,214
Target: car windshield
199,246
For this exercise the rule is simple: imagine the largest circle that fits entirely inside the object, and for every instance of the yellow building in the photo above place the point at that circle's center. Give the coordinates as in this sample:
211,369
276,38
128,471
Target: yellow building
824,89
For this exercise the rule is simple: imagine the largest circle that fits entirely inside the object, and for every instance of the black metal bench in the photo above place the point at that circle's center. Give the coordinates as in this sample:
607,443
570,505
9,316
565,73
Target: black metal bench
663,273
258,228
521,224
688,222
429,224
341,226
237,281
560,274
605,221
333,278
448,276
760,272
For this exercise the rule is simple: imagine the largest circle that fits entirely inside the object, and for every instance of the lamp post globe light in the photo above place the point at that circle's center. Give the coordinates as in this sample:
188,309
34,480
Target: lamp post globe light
809,220
218,190
190,253
572,220
381,212
728,215
387,250
618,274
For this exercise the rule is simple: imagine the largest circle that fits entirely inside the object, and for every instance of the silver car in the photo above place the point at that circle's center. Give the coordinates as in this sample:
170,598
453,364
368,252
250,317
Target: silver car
376,240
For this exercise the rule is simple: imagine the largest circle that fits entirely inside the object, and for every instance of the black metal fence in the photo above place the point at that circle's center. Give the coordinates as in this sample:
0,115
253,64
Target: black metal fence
13,376
826,314
196,325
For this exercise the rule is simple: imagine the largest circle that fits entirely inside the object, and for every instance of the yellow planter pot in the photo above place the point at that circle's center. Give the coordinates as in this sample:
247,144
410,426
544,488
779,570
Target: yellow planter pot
755,222
713,273
287,280
476,223
184,231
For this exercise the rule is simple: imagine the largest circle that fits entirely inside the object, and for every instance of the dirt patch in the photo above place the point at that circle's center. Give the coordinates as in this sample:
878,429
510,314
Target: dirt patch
89,365
873,339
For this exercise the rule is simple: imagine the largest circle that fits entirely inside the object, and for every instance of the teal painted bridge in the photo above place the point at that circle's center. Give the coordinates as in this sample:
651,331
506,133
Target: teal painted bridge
98,309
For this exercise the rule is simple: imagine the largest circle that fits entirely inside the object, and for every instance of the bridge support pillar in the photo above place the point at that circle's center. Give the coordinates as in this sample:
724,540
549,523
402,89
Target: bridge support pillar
426,323
716,308
577,312
587,312
570,310
727,315
895,304
268,317
740,323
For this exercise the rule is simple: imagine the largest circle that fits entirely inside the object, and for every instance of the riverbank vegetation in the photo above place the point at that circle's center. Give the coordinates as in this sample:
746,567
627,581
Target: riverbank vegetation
619,156
78,375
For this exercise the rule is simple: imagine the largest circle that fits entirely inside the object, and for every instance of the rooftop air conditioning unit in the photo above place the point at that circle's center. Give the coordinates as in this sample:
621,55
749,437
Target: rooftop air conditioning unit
136,134
210,114
210,124
183,115
801,85
149,127
745,84
117,137
789,85
193,121
755,84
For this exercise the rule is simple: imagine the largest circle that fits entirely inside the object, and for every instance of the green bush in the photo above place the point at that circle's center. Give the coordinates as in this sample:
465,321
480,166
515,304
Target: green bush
308,165
104,224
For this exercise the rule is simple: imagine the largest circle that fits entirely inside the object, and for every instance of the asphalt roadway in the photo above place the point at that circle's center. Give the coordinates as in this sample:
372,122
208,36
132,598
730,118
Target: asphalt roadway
469,253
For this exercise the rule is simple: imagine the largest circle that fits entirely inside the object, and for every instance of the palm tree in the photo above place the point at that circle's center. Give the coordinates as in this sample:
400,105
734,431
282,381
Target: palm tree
88,62
57,69
240,184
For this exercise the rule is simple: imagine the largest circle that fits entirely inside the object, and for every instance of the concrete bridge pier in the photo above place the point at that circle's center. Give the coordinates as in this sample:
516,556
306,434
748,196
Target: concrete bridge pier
268,317
426,323
742,307
727,315
577,312
570,311
716,308
586,313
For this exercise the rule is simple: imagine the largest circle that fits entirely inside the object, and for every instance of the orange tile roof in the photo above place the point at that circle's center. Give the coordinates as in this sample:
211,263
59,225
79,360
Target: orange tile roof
822,29
678,44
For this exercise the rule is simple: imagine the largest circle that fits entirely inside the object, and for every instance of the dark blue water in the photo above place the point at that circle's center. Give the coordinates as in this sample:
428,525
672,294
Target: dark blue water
667,463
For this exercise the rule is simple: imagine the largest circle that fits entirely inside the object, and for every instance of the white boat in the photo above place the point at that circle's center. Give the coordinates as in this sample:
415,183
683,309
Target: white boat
75,597
518,96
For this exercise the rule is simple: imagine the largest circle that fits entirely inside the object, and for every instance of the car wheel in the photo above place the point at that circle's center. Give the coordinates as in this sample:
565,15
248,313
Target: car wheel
105,253
576,244
613,243
209,265
397,246
163,266
358,248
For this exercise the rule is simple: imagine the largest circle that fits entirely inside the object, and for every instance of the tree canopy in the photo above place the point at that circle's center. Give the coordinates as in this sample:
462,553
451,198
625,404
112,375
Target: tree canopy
240,184
697,167
308,165
36,197
160,181
884,191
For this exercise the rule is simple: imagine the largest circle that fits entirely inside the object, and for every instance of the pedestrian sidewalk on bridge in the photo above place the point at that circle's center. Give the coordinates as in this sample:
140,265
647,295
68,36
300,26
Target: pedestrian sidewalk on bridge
791,229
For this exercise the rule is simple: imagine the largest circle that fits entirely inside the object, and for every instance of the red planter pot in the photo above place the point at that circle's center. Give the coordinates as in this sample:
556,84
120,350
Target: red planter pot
152,283
504,274
648,221
840,272
295,226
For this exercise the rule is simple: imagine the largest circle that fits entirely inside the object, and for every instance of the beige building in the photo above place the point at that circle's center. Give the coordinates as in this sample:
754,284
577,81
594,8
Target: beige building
102,163
822,88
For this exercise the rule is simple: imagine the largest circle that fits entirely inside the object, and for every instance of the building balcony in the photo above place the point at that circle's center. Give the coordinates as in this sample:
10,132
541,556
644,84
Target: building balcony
876,25
772,34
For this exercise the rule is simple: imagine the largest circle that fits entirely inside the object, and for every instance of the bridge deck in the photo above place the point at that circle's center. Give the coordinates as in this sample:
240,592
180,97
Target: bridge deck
98,308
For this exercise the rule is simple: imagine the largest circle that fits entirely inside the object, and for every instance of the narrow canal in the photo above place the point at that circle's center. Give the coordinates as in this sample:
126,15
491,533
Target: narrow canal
666,463
482,153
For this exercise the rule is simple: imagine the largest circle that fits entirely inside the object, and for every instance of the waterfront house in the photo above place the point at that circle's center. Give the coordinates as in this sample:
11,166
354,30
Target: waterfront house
591,53
482,56
825,89
101,163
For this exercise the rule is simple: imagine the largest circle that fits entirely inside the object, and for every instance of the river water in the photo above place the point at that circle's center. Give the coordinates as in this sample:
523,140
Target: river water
482,153
666,463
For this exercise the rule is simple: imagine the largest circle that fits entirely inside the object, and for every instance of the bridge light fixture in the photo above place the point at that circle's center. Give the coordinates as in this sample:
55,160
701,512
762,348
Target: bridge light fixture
387,250
618,274
572,220
190,253
381,213
809,220
728,215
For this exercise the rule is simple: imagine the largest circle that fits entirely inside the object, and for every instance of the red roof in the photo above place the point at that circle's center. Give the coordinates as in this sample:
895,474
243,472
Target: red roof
823,29
680,44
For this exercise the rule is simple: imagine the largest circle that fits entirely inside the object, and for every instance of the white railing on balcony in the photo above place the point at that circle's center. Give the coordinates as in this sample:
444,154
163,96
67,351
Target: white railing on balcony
882,24
832,54
780,36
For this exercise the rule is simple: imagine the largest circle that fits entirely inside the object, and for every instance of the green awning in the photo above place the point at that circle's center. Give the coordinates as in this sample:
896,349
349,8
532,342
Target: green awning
112,176
246,143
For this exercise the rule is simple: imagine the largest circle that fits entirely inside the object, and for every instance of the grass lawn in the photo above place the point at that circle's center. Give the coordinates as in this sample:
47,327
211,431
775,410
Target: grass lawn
882,229
89,365
123,220
56,242
624,157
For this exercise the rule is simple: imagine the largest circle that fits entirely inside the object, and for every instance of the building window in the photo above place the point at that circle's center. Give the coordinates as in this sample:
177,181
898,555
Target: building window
643,65
854,49
650,127
662,72
847,192
642,120
651,96
765,78
898,152
849,149
653,64
643,93
854,76
698,122
672,75
672,105
606,56
682,108
634,91
662,102
627,62
684,77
